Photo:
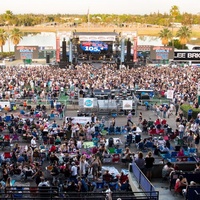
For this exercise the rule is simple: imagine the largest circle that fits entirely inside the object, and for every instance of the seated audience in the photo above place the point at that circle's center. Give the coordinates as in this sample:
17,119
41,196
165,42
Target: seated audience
167,169
181,183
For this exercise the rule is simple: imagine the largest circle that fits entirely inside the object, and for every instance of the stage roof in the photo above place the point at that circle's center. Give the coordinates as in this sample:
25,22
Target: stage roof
96,36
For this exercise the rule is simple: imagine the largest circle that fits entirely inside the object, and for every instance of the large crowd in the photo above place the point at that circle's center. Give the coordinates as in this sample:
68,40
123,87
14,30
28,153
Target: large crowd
42,81
47,140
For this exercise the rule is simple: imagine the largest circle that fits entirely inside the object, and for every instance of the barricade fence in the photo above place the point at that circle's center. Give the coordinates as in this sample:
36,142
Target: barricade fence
53,193
18,104
142,180
197,195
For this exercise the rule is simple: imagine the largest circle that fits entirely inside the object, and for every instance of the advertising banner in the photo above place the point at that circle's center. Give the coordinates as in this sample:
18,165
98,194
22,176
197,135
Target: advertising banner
161,53
170,94
57,49
88,103
26,52
127,105
79,120
187,55
122,49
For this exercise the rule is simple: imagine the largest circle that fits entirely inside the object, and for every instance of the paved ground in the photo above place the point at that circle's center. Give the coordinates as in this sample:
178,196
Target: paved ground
162,187
121,121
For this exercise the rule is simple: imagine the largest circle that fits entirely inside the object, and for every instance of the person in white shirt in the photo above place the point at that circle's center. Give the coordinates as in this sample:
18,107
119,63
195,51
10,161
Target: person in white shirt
181,129
74,170
33,143
43,183
83,165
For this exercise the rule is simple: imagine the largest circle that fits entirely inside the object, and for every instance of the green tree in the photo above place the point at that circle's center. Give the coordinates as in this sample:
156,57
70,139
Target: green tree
8,17
16,36
165,35
184,34
3,38
174,11
177,44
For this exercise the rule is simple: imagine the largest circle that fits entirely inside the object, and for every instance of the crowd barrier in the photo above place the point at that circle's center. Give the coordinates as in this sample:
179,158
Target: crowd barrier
197,195
52,193
143,182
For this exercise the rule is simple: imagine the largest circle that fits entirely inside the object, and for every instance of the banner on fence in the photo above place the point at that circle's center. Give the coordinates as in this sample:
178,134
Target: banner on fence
88,103
3,104
127,104
170,94
79,120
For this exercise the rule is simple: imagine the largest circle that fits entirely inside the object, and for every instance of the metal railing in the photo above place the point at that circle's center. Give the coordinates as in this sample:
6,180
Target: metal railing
143,181
197,195
52,193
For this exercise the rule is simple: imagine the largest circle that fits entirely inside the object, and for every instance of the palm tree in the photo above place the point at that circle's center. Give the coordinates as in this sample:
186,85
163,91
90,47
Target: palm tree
166,36
174,12
184,34
3,38
8,17
16,36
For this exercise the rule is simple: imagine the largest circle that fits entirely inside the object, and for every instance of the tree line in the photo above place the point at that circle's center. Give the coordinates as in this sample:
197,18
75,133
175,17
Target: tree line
166,20
156,18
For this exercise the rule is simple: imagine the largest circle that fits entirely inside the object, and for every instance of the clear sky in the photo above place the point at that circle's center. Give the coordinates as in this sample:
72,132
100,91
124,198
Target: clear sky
97,6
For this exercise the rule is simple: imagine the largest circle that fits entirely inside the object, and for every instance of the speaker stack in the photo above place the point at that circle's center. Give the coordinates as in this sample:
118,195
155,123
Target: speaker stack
128,54
47,58
64,56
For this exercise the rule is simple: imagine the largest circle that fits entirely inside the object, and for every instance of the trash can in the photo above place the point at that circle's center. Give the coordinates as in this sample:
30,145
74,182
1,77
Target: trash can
189,114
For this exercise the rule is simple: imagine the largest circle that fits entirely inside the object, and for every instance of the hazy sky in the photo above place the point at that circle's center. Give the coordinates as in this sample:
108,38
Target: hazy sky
97,6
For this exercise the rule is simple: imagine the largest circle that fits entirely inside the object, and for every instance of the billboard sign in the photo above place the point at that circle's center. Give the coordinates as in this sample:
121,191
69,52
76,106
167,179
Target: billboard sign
161,53
127,104
88,103
94,46
26,52
185,55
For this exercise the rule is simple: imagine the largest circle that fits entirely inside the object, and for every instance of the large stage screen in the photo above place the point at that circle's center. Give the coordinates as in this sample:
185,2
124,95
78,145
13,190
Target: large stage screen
26,52
161,53
94,46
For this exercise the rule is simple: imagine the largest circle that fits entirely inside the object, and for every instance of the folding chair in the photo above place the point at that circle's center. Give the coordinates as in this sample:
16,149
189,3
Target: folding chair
115,158
52,116
7,118
6,142
7,155
118,130
15,137
51,140
111,150
111,130
118,151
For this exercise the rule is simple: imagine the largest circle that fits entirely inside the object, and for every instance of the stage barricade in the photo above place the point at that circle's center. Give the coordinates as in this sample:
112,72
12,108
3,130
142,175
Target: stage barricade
53,193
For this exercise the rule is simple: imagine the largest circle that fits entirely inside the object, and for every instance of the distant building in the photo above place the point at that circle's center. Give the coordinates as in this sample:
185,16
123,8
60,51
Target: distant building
176,25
